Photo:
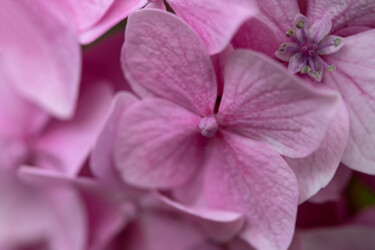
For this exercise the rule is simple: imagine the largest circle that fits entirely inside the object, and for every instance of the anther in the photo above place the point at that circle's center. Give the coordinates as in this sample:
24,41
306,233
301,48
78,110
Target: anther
300,25
289,33
305,69
316,75
331,68
282,47
337,42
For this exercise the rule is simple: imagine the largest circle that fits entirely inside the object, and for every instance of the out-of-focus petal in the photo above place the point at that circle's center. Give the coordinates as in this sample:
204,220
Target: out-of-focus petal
40,55
64,145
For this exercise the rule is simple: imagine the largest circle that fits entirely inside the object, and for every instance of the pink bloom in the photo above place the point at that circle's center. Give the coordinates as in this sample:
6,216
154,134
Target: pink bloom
351,55
181,126
40,55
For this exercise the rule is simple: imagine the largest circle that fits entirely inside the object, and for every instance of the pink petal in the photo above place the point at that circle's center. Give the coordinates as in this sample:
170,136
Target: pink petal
257,35
101,161
214,20
40,214
156,4
87,12
40,56
64,145
107,209
219,60
218,224
295,63
262,101
118,11
158,144
320,29
354,78
249,177
343,13
335,189
18,117
286,56
332,49
177,64
316,170
278,14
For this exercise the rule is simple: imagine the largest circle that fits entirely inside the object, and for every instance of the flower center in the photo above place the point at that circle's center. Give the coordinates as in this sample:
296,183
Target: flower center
208,126
308,46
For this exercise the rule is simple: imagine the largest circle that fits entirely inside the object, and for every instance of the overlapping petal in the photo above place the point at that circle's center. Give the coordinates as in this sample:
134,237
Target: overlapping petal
163,56
250,177
316,170
343,13
213,20
354,78
158,144
262,101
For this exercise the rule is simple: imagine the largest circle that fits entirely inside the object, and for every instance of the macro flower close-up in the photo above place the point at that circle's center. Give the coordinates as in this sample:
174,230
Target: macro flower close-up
187,125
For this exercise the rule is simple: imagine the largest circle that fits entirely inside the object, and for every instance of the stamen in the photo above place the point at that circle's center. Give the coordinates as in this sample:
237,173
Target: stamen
331,68
305,69
300,25
337,42
282,47
290,32
322,46
304,36
316,75
322,61
311,62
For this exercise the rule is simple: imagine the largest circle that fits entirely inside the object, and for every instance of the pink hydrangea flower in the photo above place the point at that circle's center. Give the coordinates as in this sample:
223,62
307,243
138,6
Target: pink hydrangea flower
351,55
181,126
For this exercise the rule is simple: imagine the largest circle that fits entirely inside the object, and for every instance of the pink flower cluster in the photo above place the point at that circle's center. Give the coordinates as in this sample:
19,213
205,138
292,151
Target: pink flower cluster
190,125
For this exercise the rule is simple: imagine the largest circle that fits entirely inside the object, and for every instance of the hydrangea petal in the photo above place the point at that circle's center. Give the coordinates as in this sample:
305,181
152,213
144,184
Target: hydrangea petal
354,78
262,101
316,170
343,13
64,145
177,64
218,224
40,55
213,20
257,35
101,161
250,177
118,11
158,144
